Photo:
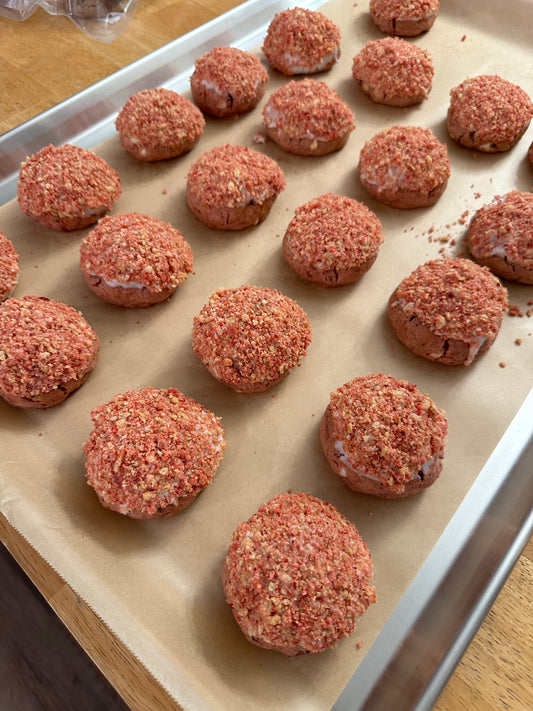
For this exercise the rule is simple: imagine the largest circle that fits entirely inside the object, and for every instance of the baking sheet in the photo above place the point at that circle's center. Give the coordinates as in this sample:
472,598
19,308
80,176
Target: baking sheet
157,584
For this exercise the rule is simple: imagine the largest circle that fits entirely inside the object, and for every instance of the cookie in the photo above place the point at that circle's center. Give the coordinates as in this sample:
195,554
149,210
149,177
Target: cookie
308,118
227,81
488,113
9,267
151,452
500,236
394,72
383,436
47,350
448,310
404,167
249,338
233,187
332,240
134,260
404,17
67,187
159,124
297,576
302,41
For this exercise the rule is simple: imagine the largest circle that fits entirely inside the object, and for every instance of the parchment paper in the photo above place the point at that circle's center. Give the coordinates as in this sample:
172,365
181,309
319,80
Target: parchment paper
157,583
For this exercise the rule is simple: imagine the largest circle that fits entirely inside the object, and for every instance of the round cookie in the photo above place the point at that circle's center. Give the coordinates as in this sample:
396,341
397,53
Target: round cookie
151,452
302,41
404,167
393,71
67,187
227,81
9,267
47,351
448,310
404,17
297,575
134,260
488,113
383,436
233,187
307,118
249,338
500,236
159,124
332,240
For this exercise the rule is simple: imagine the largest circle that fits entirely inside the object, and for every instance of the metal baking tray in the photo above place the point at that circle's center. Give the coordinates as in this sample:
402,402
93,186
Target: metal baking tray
417,649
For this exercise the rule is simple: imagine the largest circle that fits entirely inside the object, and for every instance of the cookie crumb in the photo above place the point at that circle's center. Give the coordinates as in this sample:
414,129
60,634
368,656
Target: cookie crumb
502,364
518,341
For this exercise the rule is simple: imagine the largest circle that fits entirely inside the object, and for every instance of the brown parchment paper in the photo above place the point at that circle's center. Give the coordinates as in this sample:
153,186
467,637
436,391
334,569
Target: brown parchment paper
157,583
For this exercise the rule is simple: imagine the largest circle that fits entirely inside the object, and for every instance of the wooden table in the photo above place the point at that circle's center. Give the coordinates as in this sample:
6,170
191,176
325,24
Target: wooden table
47,59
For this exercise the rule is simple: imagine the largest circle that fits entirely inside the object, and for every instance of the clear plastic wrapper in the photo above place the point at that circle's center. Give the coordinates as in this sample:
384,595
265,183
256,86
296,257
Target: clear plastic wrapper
103,20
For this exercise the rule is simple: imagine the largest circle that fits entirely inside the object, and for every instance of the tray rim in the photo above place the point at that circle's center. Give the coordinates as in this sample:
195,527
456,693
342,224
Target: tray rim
486,513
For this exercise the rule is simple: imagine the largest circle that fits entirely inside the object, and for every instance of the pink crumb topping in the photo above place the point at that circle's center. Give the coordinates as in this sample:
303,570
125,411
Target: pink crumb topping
150,447
44,344
492,107
299,38
160,117
298,574
388,427
308,109
135,248
333,230
231,69
250,334
232,176
507,221
394,66
65,181
9,267
455,298
405,158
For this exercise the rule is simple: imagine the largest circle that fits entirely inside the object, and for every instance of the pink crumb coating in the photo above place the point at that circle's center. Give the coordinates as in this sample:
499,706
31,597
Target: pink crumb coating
233,176
9,267
504,229
250,337
393,71
387,428
404,17
151,451
456,298
45,345
404,166
332,235
158,124
237,78
135,250
302,41
488,113
297,575
67,187
308,108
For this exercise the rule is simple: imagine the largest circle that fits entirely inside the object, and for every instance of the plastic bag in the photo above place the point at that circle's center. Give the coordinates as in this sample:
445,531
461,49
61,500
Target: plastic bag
103,20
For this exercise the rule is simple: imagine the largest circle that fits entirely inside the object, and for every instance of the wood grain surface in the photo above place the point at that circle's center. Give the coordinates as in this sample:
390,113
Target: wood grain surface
46,59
